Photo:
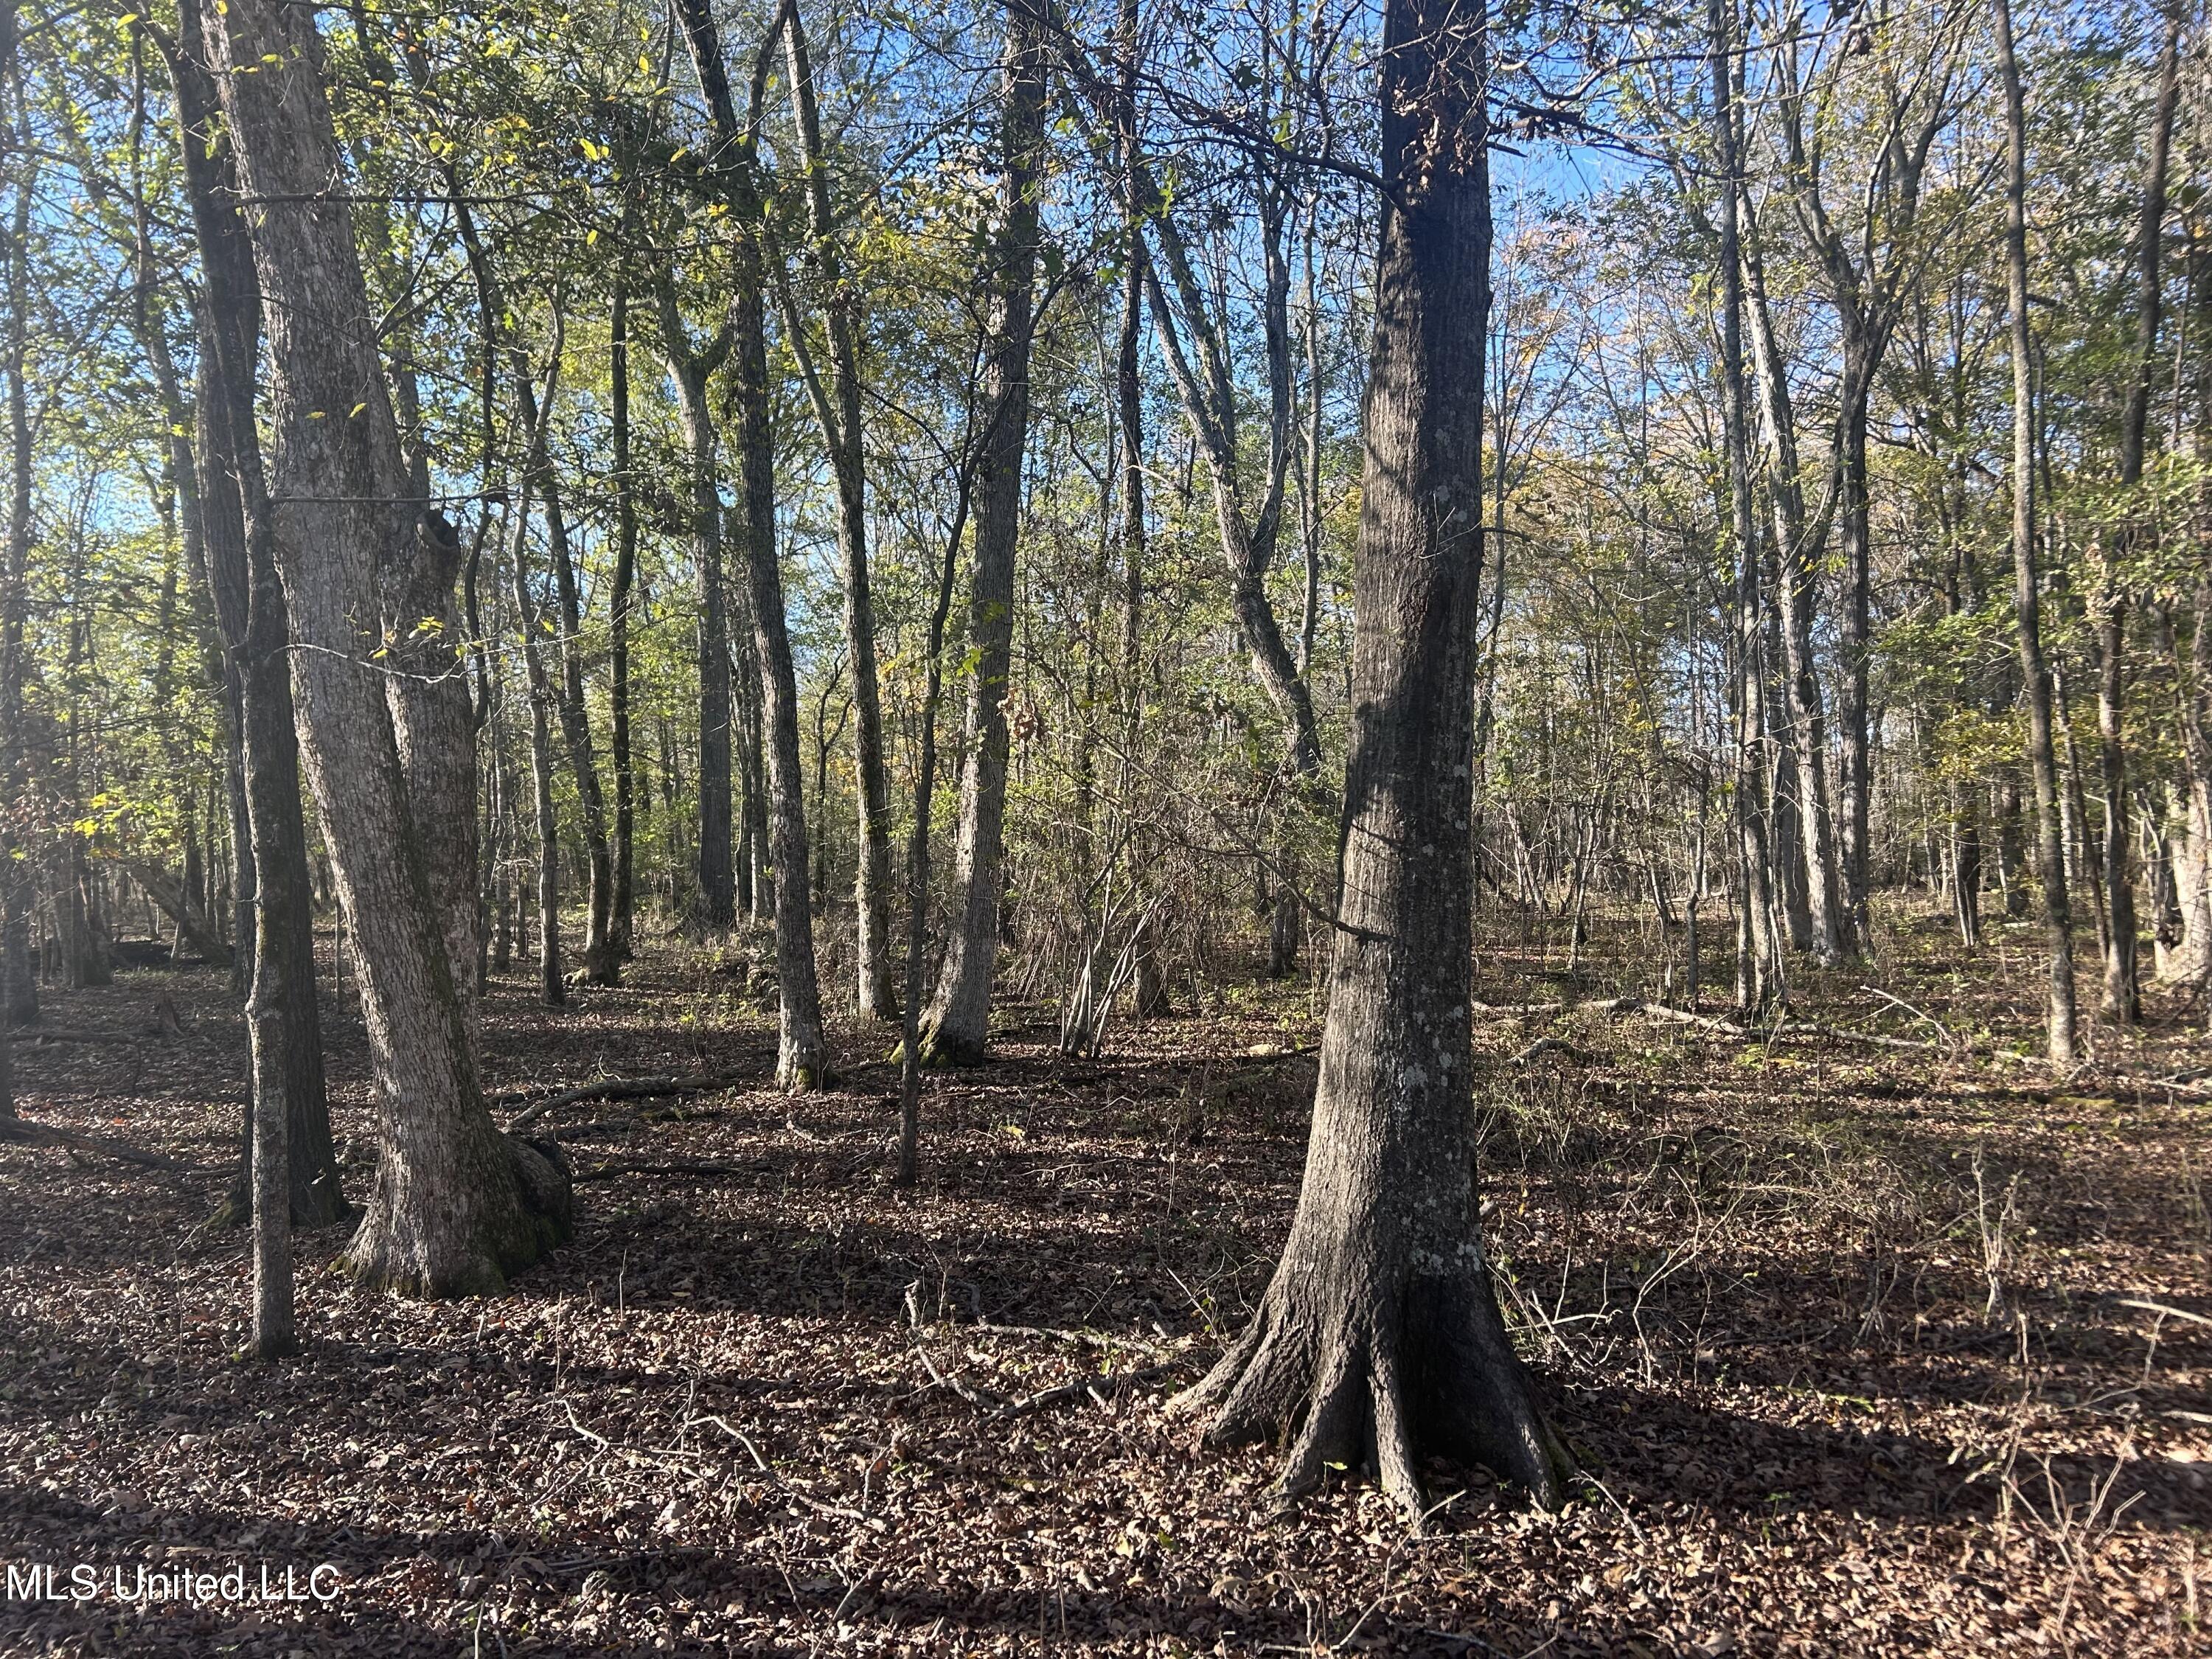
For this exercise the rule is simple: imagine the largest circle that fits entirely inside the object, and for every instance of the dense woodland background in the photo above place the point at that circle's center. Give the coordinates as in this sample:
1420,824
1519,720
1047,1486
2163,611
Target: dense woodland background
735,628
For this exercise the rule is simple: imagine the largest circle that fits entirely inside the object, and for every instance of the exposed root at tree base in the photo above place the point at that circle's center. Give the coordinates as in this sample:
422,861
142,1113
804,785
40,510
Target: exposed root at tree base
510,1232
1383,1382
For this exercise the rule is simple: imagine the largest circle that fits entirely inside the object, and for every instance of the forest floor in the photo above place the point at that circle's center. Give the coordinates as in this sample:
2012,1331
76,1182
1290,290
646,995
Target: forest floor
1865,1351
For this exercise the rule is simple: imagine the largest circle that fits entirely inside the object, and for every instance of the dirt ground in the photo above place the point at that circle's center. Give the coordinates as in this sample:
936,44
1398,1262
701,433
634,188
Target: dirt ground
1865,1351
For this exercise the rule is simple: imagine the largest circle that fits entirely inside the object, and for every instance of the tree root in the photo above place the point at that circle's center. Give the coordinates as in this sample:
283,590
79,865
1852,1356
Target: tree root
508,1218
1361,1380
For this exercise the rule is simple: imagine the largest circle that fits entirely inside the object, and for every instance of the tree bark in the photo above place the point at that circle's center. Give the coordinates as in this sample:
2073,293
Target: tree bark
1380,1335
2123,1001
1796,534
247,601
2057,918
622,922
837,408
456,1206
717,902
802,1058
1761,975
958,1029
23,985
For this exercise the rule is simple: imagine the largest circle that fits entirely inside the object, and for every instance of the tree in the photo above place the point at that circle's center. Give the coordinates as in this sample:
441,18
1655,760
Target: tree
247,599
2057,918
456,1206
1380,1334
959,1022
837,408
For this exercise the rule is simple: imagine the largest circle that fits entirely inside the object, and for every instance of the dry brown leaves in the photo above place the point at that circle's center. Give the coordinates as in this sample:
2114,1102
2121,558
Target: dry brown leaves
760,1404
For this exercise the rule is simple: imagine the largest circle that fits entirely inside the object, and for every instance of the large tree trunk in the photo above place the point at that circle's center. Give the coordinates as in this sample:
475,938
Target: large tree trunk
2057,918
958,1026
1380,1335
456,1205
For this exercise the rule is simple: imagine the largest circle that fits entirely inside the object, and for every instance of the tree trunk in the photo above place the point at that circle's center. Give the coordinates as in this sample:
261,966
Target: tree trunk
2123,1003
717,904
247,602
456,1206
1379,1336
622,922
959,1027
837,407
1795,537
802,1059
22,985
602,959
1855,642
2057,920
1761,973
552,981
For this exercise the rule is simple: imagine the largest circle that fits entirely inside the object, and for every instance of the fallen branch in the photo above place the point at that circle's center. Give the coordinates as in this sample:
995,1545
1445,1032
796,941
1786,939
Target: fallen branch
1555,1045
679,1166
48,1034
630,1088
1098,1388
165,891
2163,1308
23,1132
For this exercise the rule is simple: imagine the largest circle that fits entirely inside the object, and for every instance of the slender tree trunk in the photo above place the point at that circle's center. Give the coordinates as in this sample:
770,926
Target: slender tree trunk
1379,1334
1795,536
837,407
621,922
2057,917
1762,983
22,985
1150,984
1854,647
2123,1001
602,958
456,1206
802,1058
247,602
958,1026
717,907
552,980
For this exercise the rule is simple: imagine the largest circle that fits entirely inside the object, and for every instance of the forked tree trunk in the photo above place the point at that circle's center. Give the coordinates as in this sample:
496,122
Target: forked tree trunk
456,1205
959,1027
802,1060
2057,917
717,902
837,407
1380,1335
